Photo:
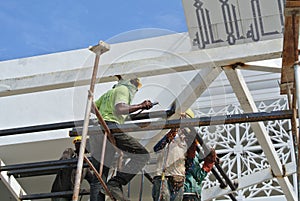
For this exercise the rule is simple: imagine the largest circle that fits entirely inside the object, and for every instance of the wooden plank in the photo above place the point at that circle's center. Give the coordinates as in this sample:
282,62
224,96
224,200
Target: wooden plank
292,7
292,4
290,51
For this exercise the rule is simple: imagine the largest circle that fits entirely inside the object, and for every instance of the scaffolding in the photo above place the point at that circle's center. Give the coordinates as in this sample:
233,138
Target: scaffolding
51,167
289,85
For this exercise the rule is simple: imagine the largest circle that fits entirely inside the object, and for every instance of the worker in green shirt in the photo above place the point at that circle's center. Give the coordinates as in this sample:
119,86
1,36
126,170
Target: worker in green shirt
114,106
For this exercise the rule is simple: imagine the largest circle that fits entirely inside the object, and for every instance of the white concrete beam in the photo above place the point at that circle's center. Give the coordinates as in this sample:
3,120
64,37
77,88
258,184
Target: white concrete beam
11,183
189,95
268,69
248,105
168,63
246,181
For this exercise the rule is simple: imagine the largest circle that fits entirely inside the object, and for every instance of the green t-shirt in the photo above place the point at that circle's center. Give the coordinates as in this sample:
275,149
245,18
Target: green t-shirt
106,103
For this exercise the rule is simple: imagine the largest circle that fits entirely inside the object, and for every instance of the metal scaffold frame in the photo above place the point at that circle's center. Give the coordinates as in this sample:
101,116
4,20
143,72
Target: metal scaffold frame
98,50
42,168
210,67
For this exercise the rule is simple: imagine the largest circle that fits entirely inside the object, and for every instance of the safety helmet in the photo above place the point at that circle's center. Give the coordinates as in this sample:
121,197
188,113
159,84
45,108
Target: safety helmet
77,139
189,113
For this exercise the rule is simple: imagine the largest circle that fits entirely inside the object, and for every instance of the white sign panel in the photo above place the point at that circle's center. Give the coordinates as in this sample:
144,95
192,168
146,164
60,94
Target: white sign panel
214,23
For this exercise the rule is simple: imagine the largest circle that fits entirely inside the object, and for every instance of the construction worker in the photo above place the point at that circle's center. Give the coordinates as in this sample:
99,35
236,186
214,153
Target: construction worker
114,106
65,178
195,174
170,175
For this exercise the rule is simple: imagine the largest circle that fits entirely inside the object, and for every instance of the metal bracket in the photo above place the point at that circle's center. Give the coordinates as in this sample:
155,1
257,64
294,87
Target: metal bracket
100,48
283,173
233,66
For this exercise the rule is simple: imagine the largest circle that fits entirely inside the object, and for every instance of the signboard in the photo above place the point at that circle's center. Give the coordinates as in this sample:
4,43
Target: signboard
215,23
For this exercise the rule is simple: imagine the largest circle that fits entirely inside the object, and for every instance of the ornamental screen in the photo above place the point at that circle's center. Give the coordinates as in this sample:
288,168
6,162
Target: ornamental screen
215,23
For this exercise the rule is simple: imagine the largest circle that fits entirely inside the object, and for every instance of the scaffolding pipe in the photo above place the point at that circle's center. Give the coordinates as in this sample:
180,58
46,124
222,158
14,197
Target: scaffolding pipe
38,164
191,122
141,186
72,124
39,171
150,115
128,189
20,172
297,92
51,195
46,168
39,128
98,49
107,134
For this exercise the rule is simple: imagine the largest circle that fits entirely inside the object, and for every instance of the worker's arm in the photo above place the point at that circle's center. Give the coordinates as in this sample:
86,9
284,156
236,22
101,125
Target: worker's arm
122,101
196,171
209,160
165,140
123,108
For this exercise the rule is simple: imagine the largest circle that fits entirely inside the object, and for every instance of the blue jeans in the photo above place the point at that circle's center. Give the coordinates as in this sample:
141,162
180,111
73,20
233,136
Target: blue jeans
167,192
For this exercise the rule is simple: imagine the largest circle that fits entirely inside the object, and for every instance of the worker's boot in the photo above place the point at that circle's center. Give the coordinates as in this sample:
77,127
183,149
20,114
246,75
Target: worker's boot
115,188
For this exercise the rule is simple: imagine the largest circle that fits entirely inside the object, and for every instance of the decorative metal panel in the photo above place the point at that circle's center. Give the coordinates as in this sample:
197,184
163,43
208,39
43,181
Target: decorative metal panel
240,151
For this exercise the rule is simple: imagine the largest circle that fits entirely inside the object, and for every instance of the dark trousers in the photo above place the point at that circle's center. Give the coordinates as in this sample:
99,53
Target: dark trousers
135,155
95,186
191,198
165,192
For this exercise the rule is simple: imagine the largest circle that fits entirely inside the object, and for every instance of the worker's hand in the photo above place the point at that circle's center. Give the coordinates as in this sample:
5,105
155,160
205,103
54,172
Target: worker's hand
146,105
171,134
209,161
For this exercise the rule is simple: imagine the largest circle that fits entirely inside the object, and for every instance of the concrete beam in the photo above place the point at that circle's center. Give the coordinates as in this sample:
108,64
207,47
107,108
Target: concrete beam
189,95
168,63
11,183
268,69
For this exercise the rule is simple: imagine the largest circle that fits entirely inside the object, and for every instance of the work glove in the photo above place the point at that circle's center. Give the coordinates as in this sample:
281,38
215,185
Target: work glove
209,161
146,105
191,152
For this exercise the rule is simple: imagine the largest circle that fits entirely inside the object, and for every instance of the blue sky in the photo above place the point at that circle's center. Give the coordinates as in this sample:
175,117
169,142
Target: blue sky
37,27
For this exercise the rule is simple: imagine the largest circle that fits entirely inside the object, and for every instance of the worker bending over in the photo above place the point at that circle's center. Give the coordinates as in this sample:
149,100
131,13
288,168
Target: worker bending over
65,178
114,106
